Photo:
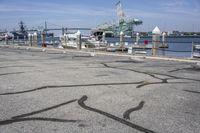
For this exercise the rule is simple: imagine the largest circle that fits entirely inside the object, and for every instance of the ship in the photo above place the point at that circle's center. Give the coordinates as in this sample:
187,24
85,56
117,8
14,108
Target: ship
22,33
124,24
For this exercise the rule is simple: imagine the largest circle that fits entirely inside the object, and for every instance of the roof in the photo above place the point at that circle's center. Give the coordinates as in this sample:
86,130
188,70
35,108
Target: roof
156,30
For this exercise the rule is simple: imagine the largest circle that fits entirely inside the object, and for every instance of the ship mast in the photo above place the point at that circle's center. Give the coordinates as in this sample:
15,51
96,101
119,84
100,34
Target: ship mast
22,27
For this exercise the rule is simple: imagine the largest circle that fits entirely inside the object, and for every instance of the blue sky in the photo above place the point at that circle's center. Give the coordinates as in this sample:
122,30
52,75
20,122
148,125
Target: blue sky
183,15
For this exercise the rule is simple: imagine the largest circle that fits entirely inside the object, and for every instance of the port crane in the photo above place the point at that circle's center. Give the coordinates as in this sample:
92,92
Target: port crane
124,24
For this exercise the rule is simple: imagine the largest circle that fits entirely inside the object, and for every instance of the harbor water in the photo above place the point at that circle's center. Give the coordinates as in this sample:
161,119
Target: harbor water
178,46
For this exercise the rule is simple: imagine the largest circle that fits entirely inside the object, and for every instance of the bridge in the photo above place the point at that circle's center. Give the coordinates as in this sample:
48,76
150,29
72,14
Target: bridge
62,28
68,29
55,28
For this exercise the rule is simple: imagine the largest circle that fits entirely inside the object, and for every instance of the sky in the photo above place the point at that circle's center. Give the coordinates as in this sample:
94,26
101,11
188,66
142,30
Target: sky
168,15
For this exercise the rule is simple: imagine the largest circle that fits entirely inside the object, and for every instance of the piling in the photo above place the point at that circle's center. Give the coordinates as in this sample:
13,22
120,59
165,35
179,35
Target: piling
18,39
6,39
13,38
78,40
137,38
63,30
35,39
164,45
193,47
24,38
30,39
163,37
122,40
43,37
155,40
53,41
104,38
65,39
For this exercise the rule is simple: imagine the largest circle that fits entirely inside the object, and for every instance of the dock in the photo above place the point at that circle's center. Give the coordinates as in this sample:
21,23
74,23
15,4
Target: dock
56,90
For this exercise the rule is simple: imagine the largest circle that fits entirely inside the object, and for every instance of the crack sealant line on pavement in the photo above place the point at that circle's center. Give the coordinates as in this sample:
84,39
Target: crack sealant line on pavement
189,60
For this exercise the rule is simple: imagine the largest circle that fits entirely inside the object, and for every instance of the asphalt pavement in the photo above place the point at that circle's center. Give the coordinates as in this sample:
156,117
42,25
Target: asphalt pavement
77,92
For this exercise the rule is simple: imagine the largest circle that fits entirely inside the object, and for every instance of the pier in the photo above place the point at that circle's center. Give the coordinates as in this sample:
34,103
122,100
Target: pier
78,91
75,67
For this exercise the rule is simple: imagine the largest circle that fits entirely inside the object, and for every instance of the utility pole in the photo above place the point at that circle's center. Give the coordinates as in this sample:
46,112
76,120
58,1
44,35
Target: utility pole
45,27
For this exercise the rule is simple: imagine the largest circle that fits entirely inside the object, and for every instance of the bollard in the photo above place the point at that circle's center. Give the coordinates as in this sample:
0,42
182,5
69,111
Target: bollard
155,40
35,39
122,40
78,40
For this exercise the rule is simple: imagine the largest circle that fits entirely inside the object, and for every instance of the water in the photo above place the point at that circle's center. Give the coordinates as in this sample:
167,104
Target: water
178,46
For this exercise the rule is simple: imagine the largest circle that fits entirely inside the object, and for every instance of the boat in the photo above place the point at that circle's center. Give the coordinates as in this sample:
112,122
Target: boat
93,41
3,36
69,40
164,45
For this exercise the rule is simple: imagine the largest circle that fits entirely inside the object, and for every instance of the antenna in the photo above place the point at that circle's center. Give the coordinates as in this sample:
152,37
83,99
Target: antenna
120,13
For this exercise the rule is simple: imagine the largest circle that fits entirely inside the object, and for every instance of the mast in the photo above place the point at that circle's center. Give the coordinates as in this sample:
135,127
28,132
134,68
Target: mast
21,26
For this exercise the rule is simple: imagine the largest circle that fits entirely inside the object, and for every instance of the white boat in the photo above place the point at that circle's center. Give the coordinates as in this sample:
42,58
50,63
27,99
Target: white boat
95,43
3,35
69,40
